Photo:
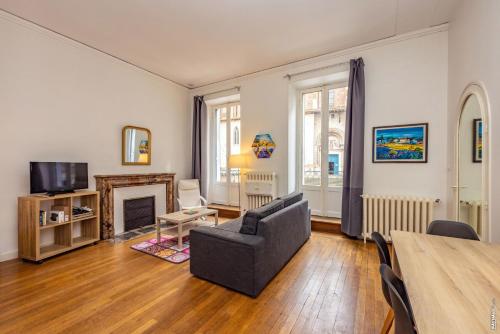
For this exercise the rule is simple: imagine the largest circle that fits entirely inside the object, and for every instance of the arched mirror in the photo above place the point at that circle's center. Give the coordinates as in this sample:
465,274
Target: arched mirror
136,146
472,173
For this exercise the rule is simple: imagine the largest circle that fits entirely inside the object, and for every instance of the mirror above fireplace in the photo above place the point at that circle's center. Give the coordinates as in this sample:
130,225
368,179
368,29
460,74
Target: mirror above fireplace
136,146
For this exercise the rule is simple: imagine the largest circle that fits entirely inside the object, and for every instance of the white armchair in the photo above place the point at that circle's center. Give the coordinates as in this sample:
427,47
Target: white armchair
189,195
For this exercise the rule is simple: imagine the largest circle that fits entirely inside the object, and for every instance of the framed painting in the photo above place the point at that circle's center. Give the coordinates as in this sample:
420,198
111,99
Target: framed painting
400,143
263,146
477,141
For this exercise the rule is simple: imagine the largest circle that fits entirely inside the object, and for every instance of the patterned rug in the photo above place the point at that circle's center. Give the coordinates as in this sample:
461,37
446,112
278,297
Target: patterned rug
166,249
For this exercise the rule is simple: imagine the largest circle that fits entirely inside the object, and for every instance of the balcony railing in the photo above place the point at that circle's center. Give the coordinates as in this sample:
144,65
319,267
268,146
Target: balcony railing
313,178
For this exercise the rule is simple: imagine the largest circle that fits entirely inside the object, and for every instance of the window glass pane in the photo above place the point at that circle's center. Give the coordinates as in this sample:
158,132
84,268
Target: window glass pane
312,101
312,138
235,129
235,139
221,156
337,100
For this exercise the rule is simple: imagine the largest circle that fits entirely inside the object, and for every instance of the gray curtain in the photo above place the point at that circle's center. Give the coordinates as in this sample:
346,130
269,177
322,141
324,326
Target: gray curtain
352,203
199,142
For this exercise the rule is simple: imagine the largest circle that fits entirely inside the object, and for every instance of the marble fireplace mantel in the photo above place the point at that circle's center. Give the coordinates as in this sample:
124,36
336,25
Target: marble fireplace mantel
106,183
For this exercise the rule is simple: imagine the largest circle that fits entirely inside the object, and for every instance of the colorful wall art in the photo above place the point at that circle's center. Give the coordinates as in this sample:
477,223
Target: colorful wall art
477,145
400,143
263,146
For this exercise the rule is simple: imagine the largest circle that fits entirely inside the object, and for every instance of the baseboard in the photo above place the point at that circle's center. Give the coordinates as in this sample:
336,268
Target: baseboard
8,256
325,224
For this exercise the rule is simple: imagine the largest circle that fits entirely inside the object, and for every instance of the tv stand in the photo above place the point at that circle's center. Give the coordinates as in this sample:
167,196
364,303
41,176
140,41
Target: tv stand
57,238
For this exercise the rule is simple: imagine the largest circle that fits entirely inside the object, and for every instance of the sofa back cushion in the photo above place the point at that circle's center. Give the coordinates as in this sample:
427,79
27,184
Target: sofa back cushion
252,217
291,198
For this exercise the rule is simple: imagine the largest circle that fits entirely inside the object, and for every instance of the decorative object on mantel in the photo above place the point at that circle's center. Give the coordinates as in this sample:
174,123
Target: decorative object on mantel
106,183
400,143
136,146
263,146
165,249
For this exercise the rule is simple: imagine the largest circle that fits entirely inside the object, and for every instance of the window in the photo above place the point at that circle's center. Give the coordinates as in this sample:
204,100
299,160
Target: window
337,102
227,140
323,126
236,136
312,138
221,143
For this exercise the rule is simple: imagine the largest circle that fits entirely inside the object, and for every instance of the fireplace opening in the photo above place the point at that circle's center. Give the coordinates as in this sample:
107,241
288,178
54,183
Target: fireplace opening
138,212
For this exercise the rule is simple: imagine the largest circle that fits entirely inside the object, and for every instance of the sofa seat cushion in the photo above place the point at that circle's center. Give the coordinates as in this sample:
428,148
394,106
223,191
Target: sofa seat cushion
252,217
232,225
292,198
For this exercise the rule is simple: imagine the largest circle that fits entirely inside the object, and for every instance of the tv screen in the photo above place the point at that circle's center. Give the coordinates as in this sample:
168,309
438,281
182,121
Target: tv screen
58,177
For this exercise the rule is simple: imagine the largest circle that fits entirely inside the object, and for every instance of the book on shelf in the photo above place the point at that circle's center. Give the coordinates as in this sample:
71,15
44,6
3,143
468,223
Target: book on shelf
83,215
43,218
82,212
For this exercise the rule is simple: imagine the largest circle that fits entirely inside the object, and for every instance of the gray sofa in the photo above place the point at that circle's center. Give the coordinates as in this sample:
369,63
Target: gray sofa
246,262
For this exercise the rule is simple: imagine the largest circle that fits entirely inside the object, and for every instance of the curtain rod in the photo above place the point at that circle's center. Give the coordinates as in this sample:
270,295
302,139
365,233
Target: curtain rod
223,90
290,75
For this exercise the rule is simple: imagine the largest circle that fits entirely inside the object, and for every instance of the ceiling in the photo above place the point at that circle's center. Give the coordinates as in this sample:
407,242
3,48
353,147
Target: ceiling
197,42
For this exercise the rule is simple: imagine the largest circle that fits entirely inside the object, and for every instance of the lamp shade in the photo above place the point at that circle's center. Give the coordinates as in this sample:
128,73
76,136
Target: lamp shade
238,161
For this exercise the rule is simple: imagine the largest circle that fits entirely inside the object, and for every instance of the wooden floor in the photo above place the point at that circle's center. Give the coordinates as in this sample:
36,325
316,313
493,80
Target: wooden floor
332,285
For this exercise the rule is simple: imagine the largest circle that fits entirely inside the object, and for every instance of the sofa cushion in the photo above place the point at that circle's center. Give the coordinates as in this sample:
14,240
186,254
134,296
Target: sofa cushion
291,198
232,225
252,217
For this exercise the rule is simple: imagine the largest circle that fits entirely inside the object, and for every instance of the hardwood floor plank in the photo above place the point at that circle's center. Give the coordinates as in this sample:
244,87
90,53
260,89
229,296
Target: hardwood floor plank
330,308
331,285
312,307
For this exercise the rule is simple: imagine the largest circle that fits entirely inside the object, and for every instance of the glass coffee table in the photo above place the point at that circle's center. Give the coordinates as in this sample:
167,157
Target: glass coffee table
183,219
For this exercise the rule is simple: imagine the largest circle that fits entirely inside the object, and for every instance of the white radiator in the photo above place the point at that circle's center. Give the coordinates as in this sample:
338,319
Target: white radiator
261,188
473,210
385,213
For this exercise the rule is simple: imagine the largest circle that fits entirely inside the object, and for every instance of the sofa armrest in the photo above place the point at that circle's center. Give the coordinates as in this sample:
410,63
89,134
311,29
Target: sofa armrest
225,257
285,232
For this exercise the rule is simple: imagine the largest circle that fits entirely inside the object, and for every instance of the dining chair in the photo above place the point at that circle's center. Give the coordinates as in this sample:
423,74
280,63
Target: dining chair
403,316
385,258
454,229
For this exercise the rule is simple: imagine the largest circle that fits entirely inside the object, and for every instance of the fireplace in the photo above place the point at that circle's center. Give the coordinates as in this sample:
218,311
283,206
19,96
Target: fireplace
106,183
138,212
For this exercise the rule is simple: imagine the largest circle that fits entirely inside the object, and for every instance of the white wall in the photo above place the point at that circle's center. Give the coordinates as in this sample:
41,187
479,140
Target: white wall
406,82
62,101
474,53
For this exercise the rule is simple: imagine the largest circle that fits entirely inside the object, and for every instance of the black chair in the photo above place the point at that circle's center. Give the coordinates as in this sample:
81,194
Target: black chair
449,228
383,250
385,258
403,316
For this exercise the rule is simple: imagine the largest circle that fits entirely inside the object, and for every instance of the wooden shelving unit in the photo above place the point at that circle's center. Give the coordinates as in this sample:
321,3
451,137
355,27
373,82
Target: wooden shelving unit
65,236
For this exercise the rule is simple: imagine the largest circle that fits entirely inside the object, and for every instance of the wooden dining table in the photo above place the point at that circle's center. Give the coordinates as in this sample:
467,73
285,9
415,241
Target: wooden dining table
453,284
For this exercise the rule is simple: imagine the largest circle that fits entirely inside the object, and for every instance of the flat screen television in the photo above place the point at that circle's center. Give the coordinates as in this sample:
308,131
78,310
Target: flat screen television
58,177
